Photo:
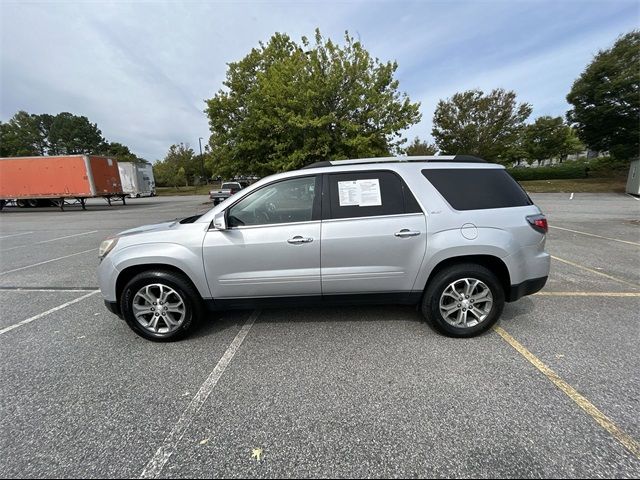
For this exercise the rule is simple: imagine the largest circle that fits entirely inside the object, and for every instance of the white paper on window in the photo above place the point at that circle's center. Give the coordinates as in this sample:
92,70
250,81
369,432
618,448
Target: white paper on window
363,193
370,193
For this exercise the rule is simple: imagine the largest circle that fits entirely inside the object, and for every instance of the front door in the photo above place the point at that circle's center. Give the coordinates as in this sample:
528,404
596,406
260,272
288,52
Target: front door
271,247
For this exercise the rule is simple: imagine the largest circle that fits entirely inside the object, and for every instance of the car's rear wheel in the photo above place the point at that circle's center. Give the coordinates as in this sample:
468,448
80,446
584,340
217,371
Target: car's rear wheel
463,300
160,305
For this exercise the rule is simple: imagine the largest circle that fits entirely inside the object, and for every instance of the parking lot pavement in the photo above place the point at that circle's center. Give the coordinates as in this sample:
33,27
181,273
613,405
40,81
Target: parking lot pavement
357,391
18,305
83,397
589,346
377,394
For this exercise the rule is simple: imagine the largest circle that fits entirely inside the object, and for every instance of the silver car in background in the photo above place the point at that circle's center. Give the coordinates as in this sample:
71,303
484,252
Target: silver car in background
226,190
455,235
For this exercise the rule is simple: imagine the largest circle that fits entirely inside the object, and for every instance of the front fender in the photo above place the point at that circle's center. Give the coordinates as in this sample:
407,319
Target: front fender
188,260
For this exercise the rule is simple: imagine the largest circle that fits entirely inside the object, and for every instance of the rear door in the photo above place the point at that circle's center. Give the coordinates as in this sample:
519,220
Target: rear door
373,234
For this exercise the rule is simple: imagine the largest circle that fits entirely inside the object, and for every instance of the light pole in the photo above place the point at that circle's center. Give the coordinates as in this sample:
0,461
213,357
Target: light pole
201,159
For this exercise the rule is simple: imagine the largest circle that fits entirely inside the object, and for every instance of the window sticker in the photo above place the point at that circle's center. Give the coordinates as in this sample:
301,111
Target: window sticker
362,193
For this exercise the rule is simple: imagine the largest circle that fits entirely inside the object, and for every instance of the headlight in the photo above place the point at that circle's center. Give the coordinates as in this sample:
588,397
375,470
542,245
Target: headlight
106,246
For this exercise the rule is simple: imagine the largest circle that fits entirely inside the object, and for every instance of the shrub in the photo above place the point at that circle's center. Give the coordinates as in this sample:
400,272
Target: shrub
596,168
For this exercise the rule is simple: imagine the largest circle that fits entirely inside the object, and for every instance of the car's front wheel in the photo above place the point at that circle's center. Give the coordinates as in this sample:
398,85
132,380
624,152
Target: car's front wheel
463,300
160,305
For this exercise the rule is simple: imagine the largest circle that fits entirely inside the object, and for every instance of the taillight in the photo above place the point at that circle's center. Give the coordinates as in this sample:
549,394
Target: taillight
233,191
538,223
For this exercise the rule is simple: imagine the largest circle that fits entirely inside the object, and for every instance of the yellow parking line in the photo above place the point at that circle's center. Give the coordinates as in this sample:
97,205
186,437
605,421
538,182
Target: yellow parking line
588,294
634,285
620,435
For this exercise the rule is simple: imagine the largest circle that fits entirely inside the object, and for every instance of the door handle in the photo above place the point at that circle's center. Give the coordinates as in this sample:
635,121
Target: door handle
297,240
404,233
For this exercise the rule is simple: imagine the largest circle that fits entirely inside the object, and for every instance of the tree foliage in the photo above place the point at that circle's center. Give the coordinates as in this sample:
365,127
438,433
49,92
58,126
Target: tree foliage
549,137
418,147
120,152
286,105
177,166
72,134
606,99
27,134
473,123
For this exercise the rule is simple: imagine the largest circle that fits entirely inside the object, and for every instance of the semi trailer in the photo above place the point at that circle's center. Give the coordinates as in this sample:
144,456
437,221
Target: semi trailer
137,179
59,180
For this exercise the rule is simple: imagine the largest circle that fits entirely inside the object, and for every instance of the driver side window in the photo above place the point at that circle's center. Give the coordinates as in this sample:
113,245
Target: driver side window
283,202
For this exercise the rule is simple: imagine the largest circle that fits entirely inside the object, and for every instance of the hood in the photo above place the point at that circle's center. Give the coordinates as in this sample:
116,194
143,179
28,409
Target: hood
149,228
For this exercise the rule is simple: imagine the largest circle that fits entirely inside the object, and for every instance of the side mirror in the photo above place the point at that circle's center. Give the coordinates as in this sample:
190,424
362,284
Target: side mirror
220,220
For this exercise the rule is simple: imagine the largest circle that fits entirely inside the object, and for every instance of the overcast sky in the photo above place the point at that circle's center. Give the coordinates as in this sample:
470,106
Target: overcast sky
141,70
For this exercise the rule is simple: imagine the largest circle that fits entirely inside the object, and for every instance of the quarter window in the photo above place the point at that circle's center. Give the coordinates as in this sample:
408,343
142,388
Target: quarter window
476,189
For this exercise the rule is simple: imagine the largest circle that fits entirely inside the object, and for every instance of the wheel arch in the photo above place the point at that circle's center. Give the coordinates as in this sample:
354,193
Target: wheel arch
128,273
490,262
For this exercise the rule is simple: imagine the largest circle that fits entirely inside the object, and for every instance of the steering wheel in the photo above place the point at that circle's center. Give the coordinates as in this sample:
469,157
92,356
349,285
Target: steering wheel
271,208
262,217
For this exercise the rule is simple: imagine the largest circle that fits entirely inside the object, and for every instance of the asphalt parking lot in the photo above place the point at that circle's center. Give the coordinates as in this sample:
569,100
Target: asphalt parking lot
554,391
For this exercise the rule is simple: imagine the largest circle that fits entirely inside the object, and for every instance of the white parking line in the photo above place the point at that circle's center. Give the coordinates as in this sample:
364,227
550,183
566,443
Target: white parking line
597,236
67,236
571,197
52,240
48,261
16,235
170,444
44,314
57,290
594,271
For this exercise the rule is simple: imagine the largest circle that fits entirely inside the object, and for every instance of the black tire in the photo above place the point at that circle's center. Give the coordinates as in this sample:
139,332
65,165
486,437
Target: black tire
444,278
181,285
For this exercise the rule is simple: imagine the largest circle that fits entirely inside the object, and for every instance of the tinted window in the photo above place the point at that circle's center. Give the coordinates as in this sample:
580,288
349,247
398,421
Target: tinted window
477,189
281,202
366,194
230,185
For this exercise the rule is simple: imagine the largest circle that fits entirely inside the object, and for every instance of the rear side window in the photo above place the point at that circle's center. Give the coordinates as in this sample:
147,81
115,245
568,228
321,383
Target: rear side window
477,189
368,194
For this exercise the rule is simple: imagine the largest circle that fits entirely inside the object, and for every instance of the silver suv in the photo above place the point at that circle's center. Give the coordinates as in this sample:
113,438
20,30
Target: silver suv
455,235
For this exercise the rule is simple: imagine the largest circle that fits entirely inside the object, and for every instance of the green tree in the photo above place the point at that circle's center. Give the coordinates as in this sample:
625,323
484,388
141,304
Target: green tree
181,177
549,137
120,152
177,166
606,99
72,134
65,133
286,105
23,135
477,124
418,147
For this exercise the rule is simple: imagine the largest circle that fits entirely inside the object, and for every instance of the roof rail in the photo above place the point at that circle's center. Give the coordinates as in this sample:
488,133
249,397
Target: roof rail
364,161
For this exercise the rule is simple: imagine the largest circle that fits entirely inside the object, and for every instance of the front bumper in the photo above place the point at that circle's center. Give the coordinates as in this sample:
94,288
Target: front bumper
107,276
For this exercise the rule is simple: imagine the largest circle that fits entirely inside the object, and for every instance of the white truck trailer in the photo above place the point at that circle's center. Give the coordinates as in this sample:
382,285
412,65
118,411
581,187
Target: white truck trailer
137,179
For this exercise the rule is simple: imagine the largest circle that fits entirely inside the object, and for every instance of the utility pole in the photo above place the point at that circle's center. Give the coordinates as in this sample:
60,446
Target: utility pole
204,178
